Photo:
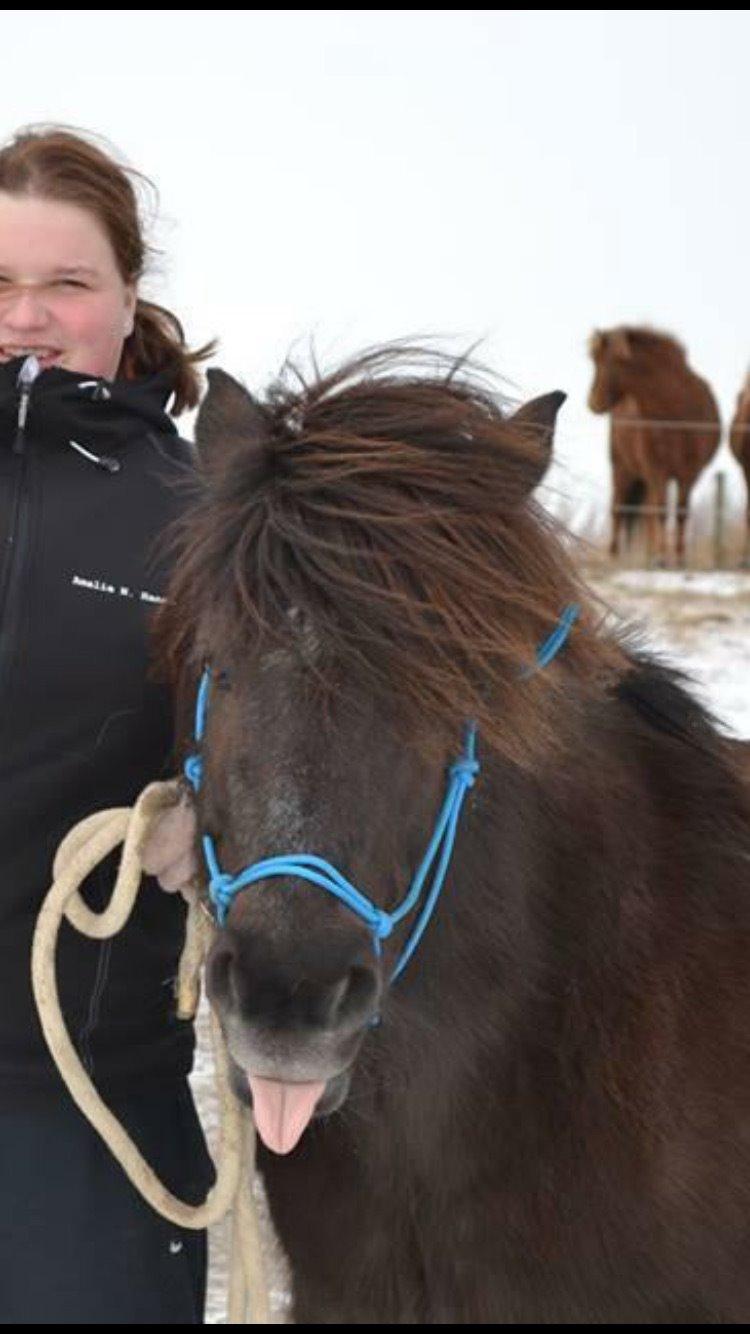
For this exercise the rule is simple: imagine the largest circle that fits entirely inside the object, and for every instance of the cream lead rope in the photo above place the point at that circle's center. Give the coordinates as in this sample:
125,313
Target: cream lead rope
84,847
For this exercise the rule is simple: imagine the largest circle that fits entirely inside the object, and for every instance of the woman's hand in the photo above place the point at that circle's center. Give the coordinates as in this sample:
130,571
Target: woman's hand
169,852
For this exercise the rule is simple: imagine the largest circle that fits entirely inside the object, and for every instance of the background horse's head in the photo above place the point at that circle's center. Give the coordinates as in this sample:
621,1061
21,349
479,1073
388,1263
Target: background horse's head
625,359
365,571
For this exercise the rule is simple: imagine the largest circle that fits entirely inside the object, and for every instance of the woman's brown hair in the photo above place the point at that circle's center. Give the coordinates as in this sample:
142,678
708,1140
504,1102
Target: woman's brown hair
60,165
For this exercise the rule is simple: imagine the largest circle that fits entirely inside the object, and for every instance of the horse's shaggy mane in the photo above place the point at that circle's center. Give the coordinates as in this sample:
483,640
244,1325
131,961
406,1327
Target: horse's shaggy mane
656,343
383,514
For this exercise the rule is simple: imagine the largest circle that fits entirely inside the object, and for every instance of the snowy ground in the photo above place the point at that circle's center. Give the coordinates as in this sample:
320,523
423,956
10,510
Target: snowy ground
702,622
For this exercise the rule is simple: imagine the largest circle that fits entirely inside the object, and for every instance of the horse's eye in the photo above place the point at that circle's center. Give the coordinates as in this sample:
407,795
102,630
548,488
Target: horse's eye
223,680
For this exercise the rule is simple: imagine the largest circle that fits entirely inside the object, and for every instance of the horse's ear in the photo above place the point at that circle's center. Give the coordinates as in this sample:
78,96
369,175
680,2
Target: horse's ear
536,421
229,420
619,345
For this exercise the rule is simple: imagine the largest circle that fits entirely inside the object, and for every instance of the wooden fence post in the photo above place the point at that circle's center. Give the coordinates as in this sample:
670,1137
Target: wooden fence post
720,520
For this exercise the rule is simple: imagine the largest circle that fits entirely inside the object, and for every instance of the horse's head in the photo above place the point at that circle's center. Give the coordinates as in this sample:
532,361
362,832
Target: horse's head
612,355
627,358
364,574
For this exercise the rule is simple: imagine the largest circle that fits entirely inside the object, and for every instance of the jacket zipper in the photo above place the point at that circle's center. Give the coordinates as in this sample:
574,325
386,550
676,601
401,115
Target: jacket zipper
15,544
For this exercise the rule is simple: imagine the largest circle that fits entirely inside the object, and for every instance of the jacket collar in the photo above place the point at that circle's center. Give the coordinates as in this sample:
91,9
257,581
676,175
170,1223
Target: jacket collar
65,405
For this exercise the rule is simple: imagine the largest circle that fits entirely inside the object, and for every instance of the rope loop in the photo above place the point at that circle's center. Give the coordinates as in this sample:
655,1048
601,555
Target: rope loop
84,848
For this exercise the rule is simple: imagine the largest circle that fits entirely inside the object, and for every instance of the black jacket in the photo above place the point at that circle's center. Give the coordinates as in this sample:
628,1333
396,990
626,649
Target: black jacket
82,724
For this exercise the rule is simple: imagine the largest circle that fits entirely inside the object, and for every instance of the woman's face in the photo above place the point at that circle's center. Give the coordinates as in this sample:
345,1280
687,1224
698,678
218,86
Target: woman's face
61,294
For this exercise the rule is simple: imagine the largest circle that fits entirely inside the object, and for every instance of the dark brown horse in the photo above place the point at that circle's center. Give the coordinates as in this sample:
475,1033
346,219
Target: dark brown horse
739,440
551,1121
642,378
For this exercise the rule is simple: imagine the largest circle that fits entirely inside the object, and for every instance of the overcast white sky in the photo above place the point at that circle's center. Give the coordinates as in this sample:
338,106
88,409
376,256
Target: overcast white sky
519,176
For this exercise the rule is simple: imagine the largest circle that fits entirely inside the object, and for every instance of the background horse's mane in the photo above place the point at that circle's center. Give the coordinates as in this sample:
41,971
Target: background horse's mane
383,515
655,343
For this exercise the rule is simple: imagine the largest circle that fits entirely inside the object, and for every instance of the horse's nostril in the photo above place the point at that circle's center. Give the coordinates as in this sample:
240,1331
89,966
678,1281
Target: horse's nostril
355,996
219,973
246,978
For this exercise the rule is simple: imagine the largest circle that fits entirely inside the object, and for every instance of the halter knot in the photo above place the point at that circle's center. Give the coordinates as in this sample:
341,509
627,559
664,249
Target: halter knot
465,770
194,770
222,890
382,925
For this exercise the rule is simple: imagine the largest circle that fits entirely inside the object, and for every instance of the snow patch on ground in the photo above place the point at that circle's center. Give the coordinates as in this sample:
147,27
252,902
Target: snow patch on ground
682,584
700,621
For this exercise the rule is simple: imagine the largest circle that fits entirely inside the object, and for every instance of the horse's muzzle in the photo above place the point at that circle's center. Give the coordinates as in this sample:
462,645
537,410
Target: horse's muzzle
329,985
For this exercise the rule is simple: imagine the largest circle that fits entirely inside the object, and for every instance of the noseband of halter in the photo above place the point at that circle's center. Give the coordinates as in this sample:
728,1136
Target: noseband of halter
222,888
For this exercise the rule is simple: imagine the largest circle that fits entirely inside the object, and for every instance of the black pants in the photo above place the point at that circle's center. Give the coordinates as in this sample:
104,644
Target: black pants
78,1244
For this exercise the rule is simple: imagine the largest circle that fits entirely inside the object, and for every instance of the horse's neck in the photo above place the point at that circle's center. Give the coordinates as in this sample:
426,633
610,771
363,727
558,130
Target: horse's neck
628,406
668,394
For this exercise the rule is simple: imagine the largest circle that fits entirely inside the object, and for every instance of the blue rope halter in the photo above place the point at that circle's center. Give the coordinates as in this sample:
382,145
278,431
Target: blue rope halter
222,888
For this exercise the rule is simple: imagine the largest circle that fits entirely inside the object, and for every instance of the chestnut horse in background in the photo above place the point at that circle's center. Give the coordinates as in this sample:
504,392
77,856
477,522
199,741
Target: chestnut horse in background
642,378
551,1120
739,440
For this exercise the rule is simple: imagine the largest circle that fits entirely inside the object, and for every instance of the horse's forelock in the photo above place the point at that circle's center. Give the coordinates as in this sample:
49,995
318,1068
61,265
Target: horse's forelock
394,516
629,339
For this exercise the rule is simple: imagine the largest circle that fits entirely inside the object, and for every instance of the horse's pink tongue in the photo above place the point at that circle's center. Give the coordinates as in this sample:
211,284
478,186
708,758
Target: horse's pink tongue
282,1111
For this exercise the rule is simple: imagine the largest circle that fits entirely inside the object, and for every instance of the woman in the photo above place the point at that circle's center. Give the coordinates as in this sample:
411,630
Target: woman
89,466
